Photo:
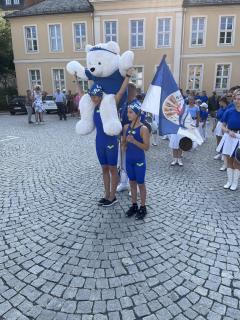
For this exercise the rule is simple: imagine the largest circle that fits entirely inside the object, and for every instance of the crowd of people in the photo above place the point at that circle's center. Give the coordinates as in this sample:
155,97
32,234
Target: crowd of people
122,159
67,103
224,113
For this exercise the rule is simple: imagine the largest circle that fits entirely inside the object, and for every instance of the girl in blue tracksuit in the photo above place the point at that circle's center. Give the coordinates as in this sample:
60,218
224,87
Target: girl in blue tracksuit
107,146
136,140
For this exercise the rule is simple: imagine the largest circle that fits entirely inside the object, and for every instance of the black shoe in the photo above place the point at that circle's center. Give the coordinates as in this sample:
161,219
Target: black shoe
102,201
132,210
141,213
109,203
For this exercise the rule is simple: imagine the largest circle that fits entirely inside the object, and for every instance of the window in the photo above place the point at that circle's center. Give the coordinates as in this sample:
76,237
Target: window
137,78
31,39
226,29
195,74
16,2
137,34
34,78
80,38
58,79
164,32
222,76
198,31
55,38
110,31
84,85
8,2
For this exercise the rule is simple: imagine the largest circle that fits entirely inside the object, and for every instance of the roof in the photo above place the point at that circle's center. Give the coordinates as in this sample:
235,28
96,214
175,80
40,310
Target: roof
53,7
201,3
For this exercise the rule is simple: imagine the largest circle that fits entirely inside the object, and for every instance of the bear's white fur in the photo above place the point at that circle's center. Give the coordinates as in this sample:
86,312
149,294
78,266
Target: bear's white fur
102,64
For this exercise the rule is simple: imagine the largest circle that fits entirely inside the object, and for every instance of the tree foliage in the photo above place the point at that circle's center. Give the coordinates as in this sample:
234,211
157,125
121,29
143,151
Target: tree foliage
7,69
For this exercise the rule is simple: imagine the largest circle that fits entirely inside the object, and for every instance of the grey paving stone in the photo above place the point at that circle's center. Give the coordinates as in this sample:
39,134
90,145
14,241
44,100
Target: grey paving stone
4,307
84,307
63,257
141,310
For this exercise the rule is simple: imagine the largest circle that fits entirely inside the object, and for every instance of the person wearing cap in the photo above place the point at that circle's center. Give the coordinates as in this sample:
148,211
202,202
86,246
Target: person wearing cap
107,146
198,102
136,140
230,142
203,114
123,113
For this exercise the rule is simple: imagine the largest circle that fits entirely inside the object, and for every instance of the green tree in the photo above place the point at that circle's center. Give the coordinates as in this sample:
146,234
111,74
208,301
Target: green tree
7,70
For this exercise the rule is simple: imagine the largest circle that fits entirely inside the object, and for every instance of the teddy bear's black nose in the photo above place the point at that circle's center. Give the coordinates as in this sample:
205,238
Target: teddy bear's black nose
92,69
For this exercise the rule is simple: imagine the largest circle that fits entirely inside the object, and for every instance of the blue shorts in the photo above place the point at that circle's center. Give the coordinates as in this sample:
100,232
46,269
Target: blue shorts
136,170
107,154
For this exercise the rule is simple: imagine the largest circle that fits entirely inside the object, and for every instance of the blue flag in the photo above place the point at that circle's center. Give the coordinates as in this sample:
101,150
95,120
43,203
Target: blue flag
165,100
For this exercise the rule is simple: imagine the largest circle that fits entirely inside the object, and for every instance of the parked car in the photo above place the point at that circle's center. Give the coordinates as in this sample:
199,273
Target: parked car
49,104
17,104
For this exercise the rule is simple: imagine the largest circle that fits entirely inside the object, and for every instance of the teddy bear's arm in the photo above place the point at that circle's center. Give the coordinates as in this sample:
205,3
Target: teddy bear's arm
75,68
126,62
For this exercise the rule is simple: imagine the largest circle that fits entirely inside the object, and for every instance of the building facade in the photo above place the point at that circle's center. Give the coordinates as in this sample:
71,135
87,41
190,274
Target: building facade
201,40
211,45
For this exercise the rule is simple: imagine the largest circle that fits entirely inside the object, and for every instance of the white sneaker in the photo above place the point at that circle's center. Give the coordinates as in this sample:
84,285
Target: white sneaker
180,163
223,168
217,156
154,144
122,187
174,162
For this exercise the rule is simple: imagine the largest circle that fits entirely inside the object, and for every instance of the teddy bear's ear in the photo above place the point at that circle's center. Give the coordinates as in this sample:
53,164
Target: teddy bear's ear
88,47
113,46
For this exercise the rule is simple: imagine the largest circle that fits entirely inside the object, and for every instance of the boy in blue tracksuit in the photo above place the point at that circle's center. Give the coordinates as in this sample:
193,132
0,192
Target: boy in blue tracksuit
136,140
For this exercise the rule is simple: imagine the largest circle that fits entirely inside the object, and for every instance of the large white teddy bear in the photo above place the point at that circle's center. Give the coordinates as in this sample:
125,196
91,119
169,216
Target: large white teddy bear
107,68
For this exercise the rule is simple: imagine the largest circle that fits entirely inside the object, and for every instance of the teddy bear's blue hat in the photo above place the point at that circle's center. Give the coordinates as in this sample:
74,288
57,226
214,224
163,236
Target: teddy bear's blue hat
100,48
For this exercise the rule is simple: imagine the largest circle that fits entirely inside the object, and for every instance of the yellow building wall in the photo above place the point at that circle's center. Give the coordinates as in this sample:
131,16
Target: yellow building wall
212,53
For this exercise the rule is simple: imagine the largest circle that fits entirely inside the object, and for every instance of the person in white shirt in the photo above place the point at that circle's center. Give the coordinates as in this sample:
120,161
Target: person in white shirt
60,100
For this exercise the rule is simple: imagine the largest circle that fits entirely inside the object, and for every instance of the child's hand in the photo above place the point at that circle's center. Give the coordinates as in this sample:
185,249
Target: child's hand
130,138
130,71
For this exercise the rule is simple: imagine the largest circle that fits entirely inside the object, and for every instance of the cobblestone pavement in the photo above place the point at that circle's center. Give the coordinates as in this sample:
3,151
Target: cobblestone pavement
62,257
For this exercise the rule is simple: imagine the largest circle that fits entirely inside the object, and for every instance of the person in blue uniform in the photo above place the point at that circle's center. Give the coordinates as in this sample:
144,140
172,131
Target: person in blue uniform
107,146
136,140
204,97
123,114
230,142
217,129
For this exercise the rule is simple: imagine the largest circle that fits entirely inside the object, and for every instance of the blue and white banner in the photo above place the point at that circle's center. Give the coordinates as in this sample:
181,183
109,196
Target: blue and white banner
164,99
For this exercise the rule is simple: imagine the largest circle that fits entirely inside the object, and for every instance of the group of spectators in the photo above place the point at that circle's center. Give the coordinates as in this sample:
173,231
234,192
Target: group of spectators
212,100
67,103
